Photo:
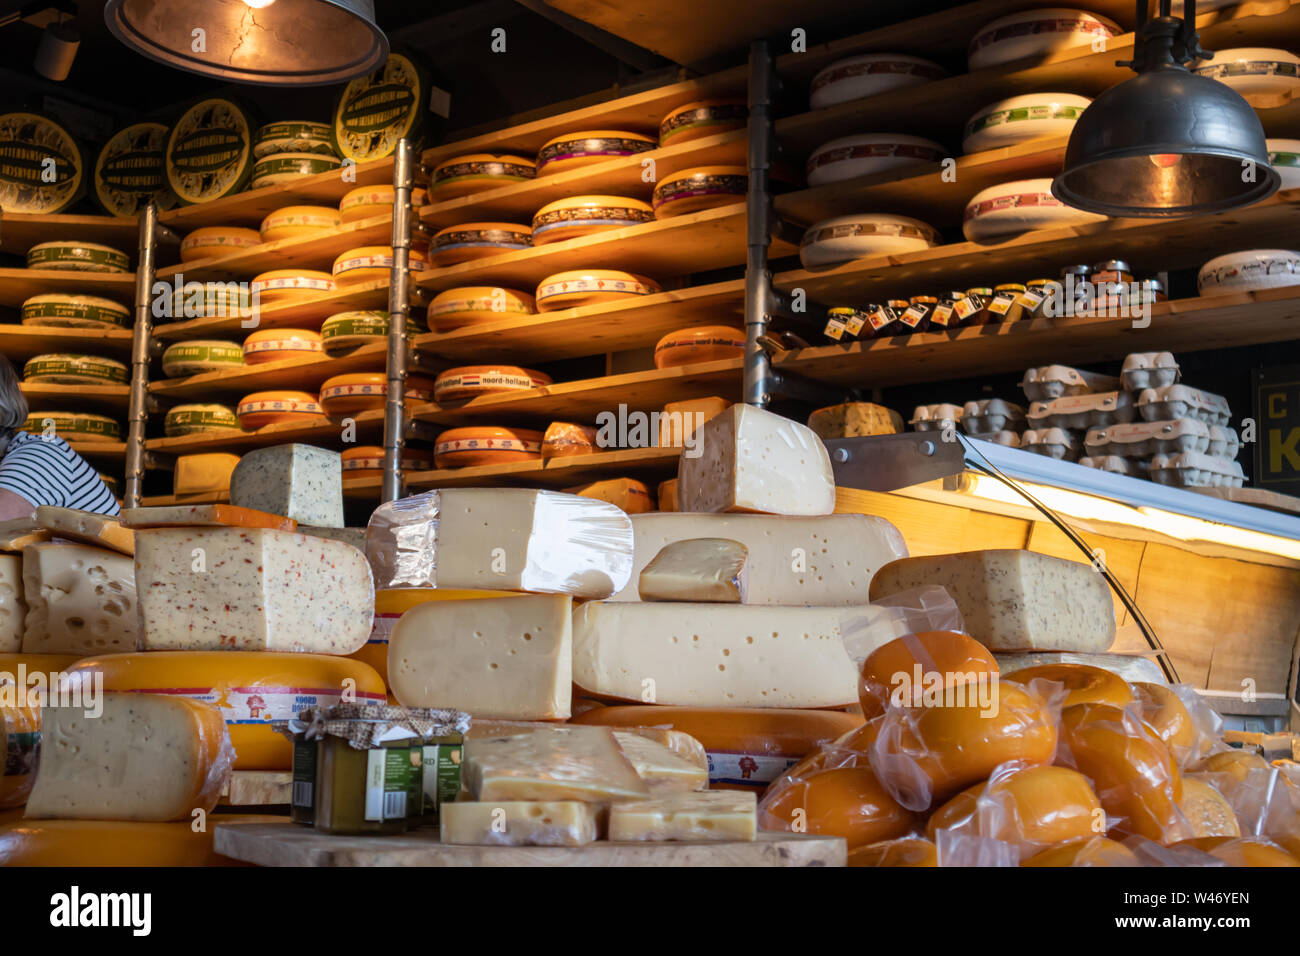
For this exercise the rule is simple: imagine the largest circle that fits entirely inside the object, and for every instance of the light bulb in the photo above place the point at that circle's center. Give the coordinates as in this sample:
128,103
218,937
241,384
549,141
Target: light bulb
258,4
1160,160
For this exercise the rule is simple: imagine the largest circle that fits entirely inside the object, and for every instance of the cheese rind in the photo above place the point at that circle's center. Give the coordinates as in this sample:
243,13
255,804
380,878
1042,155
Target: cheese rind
80,600
680,420
694,817
12,608
1014,600
519,823
204,516
855,419
626,494
550,763
251,589
302,482
663,769
86,527
18,533
697,569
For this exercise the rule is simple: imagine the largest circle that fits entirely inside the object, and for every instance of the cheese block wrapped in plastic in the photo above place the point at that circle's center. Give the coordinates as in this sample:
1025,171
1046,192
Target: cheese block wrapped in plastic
1131,667
80,600
697,569
1014,600
86,527
12,608
251,589
501,539
549,763
519,823
690,817
669,761
750,459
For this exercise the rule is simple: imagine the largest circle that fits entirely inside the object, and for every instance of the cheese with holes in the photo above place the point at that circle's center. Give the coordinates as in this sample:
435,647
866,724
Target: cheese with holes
207,589
18,533
663,769
204,516
116,843
1014,600
690,817
697,569
145,757
508,658
680,420
550,763
12,608
302,482
792,560
628,494
80,600
86,527
251,688
751,459
519,823
202,474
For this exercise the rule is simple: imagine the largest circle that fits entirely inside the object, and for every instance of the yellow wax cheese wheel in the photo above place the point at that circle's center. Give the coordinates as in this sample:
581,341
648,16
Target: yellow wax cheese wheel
271,345
283,286
74,426
705,187
588,147
299,222
293,136
203,474
213,242
704,343
200,355
55,369
583,215
626,493
469,381
366,391
367,461
703,118
274,407
476,173
367,202
467,305
115,843
288,167
193,419
486,445
579,287
478,240
75,312
374,264
344,331
69,256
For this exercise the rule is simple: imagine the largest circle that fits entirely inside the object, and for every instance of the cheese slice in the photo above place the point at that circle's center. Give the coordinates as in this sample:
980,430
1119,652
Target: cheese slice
519,823
302,482
694,817
144,757
697,569
508,658
627,494
86,527
662,769
251,589
679,421
749,459
203,474
204,516
80,600
12,608
550,763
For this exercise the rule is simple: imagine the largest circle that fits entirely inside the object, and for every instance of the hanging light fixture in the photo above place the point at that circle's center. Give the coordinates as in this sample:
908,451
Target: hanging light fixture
263,42
1168,142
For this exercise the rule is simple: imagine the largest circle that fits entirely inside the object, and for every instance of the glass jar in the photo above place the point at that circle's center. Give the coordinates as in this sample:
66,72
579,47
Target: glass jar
916,317
1005,305
844,323
366,791
974,308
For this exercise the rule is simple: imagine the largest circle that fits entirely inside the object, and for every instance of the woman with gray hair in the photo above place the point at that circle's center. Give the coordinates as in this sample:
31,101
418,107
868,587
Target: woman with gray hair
41,469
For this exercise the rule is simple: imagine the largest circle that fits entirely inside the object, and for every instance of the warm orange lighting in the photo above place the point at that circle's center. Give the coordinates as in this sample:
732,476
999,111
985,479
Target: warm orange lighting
258,4
1161,160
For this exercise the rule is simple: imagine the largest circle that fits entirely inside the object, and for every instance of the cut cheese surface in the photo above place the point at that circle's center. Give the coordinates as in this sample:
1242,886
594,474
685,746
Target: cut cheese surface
204,516
663,769
86,527
854,419
697,569
680,420
78,843
209,472
12,608
80,600
695,817
302,482
145,757
550,763
519,823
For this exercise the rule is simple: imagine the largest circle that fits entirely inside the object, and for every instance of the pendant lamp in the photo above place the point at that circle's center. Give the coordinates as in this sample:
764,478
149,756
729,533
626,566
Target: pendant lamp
1168,142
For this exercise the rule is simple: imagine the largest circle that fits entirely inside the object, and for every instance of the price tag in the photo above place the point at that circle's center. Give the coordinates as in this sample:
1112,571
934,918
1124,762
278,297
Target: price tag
1031,299
942,315
835,329
882,316
968,307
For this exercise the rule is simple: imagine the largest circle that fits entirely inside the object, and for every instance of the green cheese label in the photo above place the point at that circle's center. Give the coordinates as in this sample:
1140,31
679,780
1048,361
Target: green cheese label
75,370
85,257
34,149
73,312
441,775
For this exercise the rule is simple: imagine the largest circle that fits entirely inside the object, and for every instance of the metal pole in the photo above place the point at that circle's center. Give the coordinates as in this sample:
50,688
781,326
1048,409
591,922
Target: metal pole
141,339
758,214
398,308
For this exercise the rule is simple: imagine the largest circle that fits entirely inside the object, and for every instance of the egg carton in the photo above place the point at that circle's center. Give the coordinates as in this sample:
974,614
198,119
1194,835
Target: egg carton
1082,412
1149,370
1224,442
991,415
1047,382
1144,439
1059,443
1193,470
1116,465
935,418
1183,401
1005,437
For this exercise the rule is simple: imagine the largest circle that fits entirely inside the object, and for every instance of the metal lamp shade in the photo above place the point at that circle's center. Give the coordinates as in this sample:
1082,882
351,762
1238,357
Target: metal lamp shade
283,43
1166,143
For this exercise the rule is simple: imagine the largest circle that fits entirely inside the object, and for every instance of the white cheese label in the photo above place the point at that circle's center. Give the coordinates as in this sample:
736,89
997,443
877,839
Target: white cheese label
745,769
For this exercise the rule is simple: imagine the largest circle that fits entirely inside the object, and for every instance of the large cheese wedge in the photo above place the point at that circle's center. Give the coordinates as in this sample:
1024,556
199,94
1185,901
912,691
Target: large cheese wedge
276,407
1013,600
214,242
302,482
251,688
57,369
550,763
12,609
751,459
689,817
195,419
272,345
251,589
115,843
627,494
86,527
505,658
74,426
203,516
467,305
75,312
69,256
299,222
203,474
141,757
519,823
476,173
855,419
80,600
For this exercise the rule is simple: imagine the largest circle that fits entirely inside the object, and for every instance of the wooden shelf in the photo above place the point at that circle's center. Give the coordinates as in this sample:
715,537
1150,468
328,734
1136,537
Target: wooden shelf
98,398
326,434
1184,325
310,312
20,231
296,373
647,464
19,285
610,327
351,489
21,342
99,449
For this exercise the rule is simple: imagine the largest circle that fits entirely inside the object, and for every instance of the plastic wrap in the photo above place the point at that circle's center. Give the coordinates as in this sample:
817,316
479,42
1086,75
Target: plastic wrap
1235,852
501,539
563,439
844,799
1264,802
1181,717
914,611
1095,851
1083,683
1131,667
1208,812
911,669
959,849
1152,853
904,851
20,727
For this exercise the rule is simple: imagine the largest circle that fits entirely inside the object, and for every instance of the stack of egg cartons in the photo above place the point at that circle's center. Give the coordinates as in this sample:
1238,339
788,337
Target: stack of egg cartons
994,420
1064,403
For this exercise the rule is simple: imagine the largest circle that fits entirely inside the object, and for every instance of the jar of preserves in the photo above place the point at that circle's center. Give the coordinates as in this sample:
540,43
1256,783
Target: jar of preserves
945,314
916,317
1005,305
974,307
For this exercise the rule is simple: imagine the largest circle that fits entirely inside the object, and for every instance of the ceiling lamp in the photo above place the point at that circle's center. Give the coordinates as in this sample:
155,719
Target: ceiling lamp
1168,142
264,42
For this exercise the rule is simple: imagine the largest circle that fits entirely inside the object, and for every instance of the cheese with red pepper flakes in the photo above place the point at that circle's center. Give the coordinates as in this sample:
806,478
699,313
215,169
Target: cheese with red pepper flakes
248,589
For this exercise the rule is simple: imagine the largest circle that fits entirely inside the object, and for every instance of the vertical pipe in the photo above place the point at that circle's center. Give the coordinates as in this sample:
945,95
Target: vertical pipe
398,308
141,338
758,212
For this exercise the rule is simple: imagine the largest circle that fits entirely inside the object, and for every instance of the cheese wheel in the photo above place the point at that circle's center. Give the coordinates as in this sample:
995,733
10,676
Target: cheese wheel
130,170
584,215
468,305
470,381
850,157
564,439
344,331
203,474
213,242
1169,717
74,426
299,222
846,802
75,312
55,369
200,355
285,286
1021,118
1084,684
579,287
905,851
588,147
367,461
210,151
704,343
195,419
1016,207
275,407
376,111
1243,852
251,688
694,190
1095,851
366,391
201,300
843,238
486,445
692,121
1207,812
1238,764
293,136
1249,270
36,148
869,74
1028,808
891,670
373,264
668,495
69,256
368,202
289,167
1037,33
478,240
476,173
626,493
118,843
272,345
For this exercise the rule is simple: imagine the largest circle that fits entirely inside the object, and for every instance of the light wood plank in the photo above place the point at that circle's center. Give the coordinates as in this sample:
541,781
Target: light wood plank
104,399
19,285
21,342
649,464
20,231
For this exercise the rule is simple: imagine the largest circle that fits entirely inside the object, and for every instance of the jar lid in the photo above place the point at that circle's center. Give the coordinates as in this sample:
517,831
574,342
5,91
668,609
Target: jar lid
1033,282
1010,287
899,303
956,295
1079,270
1153,284
979,290
1112,265
924,300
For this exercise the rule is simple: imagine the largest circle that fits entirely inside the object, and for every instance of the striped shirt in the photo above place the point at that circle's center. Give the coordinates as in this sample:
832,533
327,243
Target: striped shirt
46,471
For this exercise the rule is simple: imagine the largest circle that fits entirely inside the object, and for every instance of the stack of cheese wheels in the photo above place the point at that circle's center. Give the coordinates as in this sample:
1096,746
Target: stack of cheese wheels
1021,118
1021,206
867,154
704,187
345,331
368,202
471,381
1249,270
486,445
273,345
1267,77
478,240
287,286
477,173
74,426
366,391
198,300
373,264
274,407
579,287
214,242
695,120
59,310
844,238
193,419
583,215
196,356
703,343
58,369
1037,33
367,461
71,256
293,136
299,222
870,74
588,147
476,304
287,167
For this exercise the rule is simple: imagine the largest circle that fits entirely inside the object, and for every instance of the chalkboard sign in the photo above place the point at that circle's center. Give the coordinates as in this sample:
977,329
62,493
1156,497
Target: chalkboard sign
1277,421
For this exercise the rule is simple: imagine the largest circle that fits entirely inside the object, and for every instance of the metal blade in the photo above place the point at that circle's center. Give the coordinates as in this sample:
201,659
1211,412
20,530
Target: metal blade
889,462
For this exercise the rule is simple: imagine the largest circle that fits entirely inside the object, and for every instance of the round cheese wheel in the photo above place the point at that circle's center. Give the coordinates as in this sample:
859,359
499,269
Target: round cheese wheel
1084,684
579,287
374,112
373,264
96,843
869,74
275,407
1169,717
77,257
252,688
588,147
283,286
1037,33
74,426
846,802
344,331
478,240
1095,851
201,355
1020,118
1239,764
486,445
564,439
1255,72
367,202
905,851
850,157
1242,852
844,238
272,345
627,494
1029,808
890,670
1016,207
1249,270
470,381
476,173
366,391
1207,812
57,369
468,305
583,215
27,142
289,167
367,461
75,312
293,136
193,419
702,118
130,171
1284,156
704,343
299,222
196,300
213,242
210,151
704,187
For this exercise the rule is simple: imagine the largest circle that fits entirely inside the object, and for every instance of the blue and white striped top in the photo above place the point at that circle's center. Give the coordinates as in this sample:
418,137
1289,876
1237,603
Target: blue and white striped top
46,471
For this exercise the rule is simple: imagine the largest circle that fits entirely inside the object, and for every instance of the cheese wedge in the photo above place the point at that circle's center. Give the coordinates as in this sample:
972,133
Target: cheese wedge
550,763
18,533
663,770
519,823
12,609
697,569
86,527
302,482
80,600
695,817
205,516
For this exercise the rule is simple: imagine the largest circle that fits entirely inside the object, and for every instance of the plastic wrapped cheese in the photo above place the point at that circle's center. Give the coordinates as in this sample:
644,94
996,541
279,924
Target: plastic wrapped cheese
1131,667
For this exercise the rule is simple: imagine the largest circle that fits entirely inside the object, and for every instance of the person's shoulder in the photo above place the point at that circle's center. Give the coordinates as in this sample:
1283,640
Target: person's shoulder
34,447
